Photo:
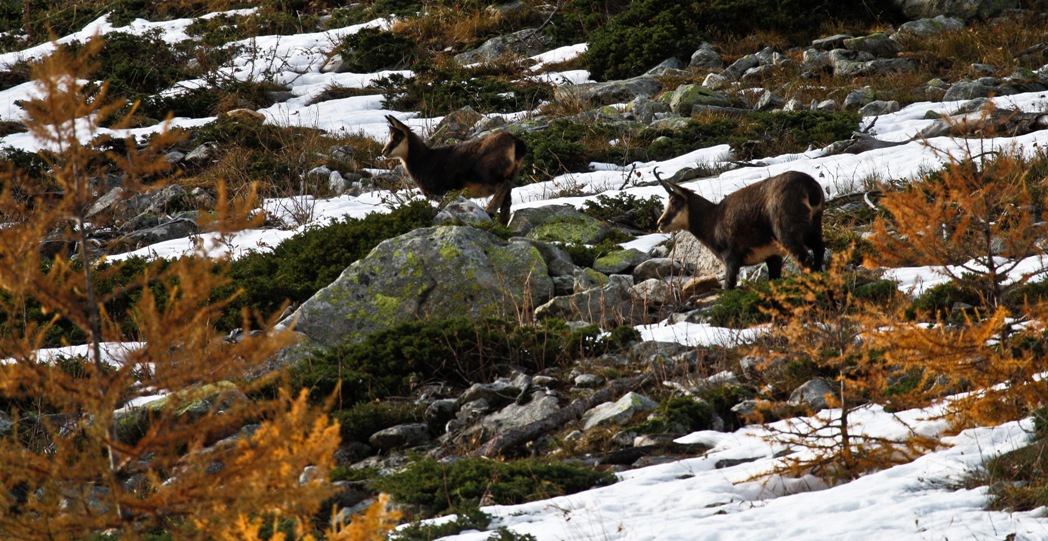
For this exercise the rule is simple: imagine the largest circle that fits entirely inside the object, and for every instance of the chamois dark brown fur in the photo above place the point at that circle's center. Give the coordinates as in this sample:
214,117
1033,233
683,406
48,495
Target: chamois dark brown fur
760,223
484,166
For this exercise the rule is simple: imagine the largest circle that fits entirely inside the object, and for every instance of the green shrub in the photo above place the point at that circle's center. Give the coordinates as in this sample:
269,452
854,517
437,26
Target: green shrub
679,414
937,302
626,210
649,31
392,361
741,307
359,421
372,49
309,261
438,488
437,89
560,147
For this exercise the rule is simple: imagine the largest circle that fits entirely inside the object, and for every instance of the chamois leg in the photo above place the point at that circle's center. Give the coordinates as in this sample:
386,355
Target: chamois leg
731,274
501,201
814,241
774,267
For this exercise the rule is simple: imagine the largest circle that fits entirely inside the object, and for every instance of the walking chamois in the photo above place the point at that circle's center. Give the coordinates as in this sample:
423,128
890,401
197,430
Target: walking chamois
759,223
485,166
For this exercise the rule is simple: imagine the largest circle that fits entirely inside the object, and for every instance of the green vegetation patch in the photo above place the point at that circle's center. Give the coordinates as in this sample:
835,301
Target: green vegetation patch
438,488
438,88
650,31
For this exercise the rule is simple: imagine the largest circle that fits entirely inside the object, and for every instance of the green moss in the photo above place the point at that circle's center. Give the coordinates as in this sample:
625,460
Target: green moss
679,414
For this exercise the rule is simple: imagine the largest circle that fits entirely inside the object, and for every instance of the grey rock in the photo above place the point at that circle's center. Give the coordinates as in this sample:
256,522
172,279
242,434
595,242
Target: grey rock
879,107
967,90
202,153
558,261
559,223
812,394
436,272
109,202
686,96
706,57
858,98
825,105
619,261
6,425
588,381
830,43
527,42
438,413
685,247
585,279
737,68
612,305
620,411
670,66
928,27
400,436
877,44
655,292
660,268
768,101
461,211
716,81
644,109
174,229
609,92
497,393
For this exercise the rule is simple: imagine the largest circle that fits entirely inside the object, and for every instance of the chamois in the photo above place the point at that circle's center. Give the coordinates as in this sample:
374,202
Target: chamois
485,166
759,223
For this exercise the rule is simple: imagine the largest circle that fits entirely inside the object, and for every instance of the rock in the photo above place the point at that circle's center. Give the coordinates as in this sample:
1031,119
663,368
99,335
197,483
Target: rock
825,105
967,90
830,43
609,306
965,9
455,127
858,98
559,223
644,109
202,153
527,42
588,381
700,286
685,97
438,413
655,292
619,261
6,425
400,436
670,66
660,268
586,279
497,393
736,69
609,92
461,211
540,406
558,261
436,272
706,57
716,81
877,44
685,247
769,101
879,107
174,229
618,412
812,395
851,64
928,27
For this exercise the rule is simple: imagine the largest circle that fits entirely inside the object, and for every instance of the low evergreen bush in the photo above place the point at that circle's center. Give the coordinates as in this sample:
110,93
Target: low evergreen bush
437,488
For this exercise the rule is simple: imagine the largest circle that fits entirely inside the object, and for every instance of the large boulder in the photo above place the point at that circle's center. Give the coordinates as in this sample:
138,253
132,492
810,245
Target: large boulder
609,92
436,272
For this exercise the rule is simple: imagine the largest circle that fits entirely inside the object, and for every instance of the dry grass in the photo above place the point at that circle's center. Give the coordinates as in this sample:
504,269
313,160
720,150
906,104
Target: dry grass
460,25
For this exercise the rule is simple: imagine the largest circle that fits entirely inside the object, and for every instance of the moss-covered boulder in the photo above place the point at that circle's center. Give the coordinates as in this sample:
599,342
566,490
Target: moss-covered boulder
559,223
687,96
436,272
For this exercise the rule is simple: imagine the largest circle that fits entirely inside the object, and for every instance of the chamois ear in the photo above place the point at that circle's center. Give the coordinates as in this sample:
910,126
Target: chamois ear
670,187
394,123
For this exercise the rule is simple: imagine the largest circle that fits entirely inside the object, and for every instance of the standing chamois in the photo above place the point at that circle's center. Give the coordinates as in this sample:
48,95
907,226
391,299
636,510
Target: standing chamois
759,223
485,166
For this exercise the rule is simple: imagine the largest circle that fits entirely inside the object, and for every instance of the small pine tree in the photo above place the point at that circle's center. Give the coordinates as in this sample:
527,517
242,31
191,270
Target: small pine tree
818,318
82,456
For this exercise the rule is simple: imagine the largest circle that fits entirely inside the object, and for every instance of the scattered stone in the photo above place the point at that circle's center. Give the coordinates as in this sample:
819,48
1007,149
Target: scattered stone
523,43
395,437
706,57
618,412
620,261
812,395
879,107
588,381
462,211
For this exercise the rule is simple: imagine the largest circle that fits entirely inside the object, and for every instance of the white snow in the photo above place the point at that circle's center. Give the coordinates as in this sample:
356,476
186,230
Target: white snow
689,499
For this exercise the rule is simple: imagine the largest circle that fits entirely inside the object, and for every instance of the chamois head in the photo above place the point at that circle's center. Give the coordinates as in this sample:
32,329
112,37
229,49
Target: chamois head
397,143
675,215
